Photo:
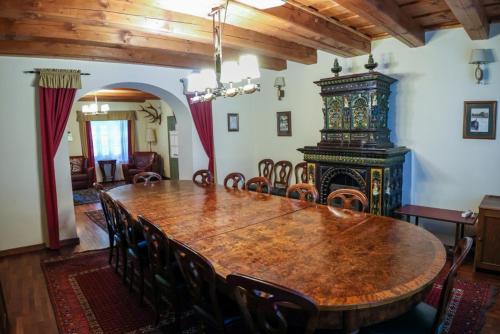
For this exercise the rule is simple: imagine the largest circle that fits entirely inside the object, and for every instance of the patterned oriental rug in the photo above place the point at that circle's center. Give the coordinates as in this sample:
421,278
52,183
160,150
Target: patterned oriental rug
90,196
97,217
89,297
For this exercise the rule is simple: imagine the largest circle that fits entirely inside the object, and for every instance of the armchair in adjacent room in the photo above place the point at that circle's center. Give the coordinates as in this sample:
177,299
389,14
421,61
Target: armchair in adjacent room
140,162
82,176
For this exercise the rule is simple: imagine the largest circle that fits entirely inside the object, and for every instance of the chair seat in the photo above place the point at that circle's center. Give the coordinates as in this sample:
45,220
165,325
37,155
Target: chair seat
278,191
418,320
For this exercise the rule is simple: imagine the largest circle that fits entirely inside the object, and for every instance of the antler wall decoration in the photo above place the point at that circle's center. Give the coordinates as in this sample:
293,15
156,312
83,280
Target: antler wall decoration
152,113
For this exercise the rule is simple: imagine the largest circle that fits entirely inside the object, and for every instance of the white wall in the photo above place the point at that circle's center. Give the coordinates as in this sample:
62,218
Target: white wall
21,206
426,114
443,169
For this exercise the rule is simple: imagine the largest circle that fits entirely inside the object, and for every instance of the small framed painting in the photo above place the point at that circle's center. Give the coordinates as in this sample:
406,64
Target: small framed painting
284,123
480,118
233,122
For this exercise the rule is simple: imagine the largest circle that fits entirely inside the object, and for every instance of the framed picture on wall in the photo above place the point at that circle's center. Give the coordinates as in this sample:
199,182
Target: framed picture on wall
480,118
284,123
233,122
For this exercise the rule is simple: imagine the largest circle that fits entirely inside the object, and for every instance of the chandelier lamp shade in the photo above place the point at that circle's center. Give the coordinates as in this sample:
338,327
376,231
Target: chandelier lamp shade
229,78
94,108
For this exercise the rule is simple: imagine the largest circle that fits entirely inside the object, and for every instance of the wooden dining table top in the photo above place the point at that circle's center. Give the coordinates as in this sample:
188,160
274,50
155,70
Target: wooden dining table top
341,261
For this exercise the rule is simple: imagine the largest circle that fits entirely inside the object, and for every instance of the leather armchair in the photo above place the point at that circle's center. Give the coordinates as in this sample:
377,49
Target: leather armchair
82,176
140,162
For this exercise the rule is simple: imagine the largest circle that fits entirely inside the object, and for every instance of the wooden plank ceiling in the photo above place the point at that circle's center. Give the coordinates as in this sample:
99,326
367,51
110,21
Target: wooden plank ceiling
118,95
178,33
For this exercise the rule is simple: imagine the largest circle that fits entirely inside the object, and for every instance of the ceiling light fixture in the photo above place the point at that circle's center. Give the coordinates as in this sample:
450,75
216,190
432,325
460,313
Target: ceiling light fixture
94,109
224,80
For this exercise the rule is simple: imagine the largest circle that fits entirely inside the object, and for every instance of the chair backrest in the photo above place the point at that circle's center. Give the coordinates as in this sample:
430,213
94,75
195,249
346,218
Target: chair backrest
200,279
203,177
98,186
158,249
110,210
282,173
263,185
236,179
347,198
307,192
132,228
146,177
301,172
266,167
78,164
461,250
260,303
143,159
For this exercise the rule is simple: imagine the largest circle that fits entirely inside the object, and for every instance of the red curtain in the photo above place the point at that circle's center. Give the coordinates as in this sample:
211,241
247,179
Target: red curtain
202,117
55,106
90,146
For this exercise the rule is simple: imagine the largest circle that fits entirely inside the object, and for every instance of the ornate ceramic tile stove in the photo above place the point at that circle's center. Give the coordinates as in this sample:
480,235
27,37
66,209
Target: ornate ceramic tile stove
355,150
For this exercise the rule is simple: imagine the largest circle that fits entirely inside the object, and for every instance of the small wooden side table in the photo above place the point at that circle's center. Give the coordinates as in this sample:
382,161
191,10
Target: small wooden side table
102,165
445,215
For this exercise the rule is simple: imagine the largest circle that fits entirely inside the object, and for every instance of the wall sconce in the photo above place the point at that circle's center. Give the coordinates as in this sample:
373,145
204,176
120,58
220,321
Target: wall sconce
478,57
70,136
279,83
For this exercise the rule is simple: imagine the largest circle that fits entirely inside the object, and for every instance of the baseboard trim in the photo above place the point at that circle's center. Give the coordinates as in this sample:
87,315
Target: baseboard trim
38,247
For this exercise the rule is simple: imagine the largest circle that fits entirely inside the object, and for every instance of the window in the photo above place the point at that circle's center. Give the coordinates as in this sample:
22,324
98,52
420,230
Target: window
110,140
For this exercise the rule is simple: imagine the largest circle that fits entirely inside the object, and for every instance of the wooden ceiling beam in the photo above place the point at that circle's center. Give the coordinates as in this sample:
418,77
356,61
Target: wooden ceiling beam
106,36
119,95
153,20
59,49
293,24
472,16
387,15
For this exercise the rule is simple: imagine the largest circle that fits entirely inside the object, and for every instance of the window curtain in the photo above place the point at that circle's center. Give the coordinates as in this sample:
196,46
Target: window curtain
56,93
87,144
202,117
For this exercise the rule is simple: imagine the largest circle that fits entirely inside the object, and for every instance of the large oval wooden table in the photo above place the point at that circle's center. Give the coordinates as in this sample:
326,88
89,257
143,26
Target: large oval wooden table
359,269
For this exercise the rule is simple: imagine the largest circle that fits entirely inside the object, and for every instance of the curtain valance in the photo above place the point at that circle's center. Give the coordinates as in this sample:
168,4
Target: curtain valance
56,78
110,116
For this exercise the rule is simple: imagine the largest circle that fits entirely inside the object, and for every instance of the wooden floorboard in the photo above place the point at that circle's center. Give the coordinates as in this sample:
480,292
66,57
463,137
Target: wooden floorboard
28,302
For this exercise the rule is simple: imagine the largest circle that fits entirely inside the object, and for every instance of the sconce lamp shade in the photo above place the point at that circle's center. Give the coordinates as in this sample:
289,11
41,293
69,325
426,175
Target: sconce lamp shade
279,82
478,56
150,135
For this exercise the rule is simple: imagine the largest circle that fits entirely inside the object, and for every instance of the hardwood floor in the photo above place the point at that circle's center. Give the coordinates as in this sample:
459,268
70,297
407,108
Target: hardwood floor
28,303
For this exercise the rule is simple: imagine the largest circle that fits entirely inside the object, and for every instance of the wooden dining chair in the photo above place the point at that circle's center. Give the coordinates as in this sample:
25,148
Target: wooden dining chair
136,255
201,282
259,184
236,179
282,173
301,172
305,191
161,269
424,318
146,177
116,231
262,306
203,178
347,198
98,186
266,167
